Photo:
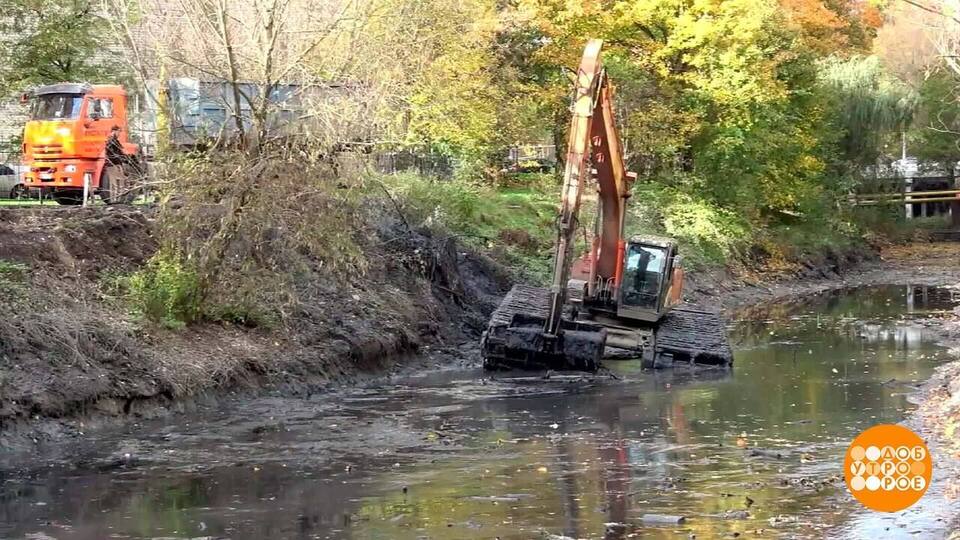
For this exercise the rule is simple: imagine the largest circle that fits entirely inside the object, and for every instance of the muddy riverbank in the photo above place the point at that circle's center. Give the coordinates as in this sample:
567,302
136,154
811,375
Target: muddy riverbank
937,417
456,454
926,263
72,356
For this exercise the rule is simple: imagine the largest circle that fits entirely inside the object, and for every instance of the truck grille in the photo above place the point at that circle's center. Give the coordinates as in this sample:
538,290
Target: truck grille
45,150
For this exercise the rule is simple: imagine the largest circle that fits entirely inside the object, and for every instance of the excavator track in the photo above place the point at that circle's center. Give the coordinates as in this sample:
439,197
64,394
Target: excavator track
685,336
524,299
691,335
515,337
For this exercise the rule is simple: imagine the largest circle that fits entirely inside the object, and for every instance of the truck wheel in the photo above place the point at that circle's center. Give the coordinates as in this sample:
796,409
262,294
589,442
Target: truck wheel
115,186
68,197
18,192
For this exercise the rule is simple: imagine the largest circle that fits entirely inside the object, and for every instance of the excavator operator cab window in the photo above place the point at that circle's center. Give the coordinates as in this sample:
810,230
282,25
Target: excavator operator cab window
642,276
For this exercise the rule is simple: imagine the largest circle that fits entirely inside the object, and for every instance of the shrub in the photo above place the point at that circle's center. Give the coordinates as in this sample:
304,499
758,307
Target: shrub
515,225
708,234
166,290
12,276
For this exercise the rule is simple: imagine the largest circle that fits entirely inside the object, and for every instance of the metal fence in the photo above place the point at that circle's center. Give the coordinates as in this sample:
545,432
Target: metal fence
920,196
426,165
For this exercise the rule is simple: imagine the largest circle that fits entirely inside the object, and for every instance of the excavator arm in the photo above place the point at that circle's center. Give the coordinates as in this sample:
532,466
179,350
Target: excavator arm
529,328
593,147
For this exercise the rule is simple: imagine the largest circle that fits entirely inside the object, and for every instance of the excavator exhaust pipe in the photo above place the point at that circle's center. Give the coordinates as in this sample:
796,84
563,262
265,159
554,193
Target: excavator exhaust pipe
523,344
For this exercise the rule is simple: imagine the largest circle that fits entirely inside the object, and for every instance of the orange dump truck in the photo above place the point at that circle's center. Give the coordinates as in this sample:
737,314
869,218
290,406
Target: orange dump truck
77,140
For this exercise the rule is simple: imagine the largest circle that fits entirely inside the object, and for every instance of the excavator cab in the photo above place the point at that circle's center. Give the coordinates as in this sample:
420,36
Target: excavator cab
652,279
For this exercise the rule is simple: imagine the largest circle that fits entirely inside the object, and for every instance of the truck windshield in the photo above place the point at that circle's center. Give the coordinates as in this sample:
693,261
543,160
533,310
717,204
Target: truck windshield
641,280
56,107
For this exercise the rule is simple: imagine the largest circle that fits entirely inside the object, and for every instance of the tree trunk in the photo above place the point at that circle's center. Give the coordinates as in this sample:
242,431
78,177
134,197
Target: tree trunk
955,205
234,71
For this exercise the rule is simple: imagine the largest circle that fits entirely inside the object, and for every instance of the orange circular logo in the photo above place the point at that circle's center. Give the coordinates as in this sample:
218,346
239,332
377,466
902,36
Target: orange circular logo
888,468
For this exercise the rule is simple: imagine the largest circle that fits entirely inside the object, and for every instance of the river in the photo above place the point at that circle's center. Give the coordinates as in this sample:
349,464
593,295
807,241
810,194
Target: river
456,454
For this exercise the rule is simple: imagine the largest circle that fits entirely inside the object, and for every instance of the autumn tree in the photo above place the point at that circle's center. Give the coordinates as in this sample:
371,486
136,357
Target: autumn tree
703,105
828,27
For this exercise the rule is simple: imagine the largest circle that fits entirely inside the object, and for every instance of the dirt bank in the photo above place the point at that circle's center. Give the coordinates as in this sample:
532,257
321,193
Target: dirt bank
938,414
72,352
914,264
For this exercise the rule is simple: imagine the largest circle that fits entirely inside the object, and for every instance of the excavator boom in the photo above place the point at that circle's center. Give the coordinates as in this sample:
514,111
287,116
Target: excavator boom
593,148
589,79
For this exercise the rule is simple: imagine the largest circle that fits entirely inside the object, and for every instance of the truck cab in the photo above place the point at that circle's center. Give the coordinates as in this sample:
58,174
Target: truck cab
66,141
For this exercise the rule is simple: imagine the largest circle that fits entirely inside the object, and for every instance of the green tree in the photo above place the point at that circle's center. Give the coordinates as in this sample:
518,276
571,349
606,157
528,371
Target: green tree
715,96
47,41
935,135
869,104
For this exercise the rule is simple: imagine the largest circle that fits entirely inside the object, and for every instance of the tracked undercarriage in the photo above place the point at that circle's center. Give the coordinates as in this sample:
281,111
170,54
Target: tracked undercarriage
685,336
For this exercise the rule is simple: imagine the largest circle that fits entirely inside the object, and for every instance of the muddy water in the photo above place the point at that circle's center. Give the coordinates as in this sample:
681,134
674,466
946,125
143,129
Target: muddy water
454,455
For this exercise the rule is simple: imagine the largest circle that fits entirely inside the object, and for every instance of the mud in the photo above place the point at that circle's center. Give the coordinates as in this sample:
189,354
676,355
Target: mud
453,453
927,263
72,356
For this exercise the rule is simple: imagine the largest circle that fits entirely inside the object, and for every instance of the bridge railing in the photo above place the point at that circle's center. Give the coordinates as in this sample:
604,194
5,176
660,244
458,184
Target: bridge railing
922,196
904,197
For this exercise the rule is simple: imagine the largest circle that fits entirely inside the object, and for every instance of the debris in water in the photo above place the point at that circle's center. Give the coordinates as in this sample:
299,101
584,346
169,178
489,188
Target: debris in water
735,514
759,452
548,536
615,528
781,520
662,519
494,498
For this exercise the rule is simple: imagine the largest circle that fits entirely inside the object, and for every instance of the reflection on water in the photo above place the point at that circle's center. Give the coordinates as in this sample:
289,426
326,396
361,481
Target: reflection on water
450,455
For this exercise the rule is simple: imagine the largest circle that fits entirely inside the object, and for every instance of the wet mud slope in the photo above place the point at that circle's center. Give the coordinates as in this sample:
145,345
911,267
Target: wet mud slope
71,350
922,263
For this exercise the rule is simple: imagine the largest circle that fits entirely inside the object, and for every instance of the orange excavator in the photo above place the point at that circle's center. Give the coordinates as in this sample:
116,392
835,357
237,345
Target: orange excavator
622,298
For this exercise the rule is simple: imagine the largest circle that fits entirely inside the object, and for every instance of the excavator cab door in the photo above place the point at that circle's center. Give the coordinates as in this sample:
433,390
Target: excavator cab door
675,289
645,281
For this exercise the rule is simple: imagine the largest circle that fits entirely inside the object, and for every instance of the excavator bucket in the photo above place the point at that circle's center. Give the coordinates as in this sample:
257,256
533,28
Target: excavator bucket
515,338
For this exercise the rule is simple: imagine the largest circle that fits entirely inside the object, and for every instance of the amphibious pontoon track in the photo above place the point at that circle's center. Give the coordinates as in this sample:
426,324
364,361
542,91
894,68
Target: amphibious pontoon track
686,335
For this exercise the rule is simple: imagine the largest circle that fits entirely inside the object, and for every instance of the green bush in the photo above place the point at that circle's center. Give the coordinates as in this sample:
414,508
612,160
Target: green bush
12,270
166,290
708,234
515,225
714,232
12,277
244,314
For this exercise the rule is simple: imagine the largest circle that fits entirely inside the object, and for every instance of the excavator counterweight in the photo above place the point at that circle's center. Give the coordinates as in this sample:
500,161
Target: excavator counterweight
621,299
